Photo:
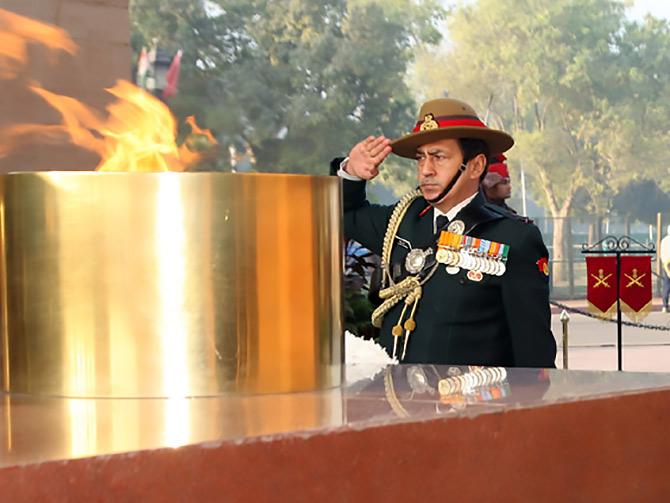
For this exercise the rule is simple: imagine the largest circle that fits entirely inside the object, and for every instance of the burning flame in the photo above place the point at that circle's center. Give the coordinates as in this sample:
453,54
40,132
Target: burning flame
138,133
16,32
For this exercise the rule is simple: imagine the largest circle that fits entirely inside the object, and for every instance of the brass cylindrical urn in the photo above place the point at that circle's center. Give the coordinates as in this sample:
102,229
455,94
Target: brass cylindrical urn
169,284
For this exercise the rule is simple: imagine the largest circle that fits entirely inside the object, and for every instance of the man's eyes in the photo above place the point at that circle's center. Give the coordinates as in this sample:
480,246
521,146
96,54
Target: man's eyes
439,157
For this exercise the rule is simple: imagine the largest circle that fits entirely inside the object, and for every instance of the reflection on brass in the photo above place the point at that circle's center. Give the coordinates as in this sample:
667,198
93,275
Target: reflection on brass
169,284
42,428
469,382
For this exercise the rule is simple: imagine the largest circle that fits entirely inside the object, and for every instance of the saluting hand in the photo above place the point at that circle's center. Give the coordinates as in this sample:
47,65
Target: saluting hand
366,156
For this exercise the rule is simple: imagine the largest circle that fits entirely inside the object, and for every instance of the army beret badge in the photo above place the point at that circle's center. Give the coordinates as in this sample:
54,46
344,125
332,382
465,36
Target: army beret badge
429,123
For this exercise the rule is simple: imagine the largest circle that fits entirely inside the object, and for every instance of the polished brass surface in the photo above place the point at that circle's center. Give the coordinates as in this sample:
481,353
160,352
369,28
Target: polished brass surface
169,284
36,428
46,428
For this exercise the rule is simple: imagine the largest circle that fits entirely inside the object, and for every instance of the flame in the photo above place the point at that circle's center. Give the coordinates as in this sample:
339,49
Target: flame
138,132
196,130
16,32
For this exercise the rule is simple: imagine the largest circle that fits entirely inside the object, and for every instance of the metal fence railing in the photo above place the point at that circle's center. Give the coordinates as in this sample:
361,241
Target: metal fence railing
568,273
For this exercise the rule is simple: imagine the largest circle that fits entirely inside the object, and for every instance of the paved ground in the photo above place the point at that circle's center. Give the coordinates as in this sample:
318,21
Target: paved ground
592,344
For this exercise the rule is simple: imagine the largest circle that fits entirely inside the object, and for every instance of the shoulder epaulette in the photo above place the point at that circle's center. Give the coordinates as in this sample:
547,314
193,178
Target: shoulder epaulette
508,214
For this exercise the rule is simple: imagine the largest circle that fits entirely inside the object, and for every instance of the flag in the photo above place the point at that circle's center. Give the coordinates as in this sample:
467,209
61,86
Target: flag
635,286
601,284
142,69
172,77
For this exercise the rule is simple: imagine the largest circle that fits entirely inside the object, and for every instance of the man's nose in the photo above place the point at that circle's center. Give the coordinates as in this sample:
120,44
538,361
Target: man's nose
427,167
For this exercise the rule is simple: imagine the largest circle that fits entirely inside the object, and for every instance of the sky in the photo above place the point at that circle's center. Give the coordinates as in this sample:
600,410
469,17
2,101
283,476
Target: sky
657,8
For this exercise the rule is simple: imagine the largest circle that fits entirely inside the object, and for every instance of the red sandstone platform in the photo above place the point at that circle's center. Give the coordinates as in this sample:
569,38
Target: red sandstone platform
539,436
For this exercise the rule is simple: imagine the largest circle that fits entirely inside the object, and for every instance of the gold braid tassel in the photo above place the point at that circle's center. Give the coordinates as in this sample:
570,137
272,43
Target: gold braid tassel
392,230
396,331
408,289
410,324
392,295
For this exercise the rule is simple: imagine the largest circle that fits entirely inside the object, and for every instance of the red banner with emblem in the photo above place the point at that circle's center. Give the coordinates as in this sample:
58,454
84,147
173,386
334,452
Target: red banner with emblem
635,285
601,284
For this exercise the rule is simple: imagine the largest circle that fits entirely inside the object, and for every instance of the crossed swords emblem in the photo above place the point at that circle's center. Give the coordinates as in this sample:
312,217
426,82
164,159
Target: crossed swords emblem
601,279
633,280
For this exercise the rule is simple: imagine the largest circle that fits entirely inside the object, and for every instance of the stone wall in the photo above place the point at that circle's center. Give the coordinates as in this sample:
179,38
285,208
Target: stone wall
101,29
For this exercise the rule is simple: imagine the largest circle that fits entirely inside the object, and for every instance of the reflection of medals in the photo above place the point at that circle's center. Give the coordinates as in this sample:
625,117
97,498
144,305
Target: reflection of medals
418,381
468,383
416,260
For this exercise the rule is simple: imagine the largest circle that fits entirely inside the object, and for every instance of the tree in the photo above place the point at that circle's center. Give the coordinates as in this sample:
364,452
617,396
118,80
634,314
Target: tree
296,81
641,200
583,91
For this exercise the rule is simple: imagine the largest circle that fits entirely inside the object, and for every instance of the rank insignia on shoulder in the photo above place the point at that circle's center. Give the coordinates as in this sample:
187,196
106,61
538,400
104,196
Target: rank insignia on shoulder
543,266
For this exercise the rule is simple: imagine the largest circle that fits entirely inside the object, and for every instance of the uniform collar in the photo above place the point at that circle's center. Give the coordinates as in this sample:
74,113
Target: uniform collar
453,211
420,232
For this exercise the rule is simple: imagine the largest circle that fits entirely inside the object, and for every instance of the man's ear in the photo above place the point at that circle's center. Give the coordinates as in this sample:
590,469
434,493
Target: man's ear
476,166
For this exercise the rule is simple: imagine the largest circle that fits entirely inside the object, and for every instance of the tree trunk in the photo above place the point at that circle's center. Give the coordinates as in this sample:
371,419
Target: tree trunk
562,241
560,249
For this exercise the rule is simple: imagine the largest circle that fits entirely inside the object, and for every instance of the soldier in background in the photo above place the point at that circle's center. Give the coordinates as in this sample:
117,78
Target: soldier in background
497,184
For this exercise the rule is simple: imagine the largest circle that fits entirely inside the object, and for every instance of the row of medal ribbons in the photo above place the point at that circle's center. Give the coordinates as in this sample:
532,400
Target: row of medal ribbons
472,254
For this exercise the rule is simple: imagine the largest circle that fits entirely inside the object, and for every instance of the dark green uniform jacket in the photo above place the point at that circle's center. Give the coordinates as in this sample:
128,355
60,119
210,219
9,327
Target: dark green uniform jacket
498,321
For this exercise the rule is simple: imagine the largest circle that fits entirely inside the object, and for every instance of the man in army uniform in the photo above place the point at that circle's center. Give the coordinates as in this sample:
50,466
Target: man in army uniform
464,281
497,184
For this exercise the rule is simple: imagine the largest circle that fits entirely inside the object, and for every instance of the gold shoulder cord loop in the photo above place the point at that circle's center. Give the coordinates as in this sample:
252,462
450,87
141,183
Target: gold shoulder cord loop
408,289
392,230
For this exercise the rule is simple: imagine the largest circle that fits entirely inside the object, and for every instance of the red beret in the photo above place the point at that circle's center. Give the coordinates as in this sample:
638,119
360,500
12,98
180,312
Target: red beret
498,165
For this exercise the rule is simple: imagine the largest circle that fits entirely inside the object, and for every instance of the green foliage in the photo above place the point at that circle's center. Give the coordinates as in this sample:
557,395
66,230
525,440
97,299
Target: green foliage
298,81
584,92
360,265
357,313
641,200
